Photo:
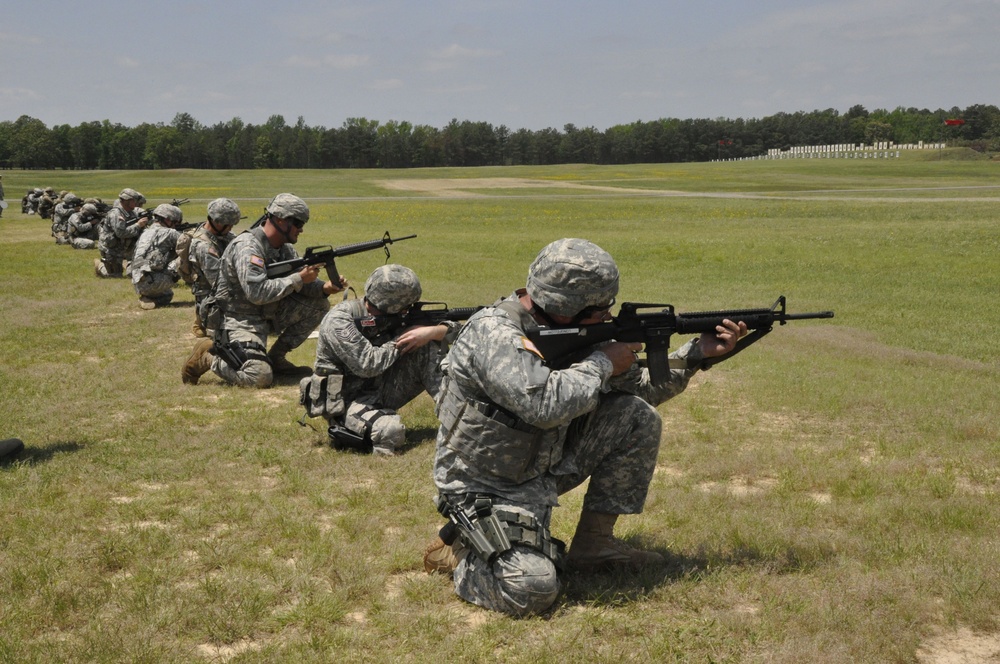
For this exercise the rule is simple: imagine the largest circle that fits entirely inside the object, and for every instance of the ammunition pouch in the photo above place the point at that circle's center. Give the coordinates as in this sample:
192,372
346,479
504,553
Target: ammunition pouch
321,395
489,532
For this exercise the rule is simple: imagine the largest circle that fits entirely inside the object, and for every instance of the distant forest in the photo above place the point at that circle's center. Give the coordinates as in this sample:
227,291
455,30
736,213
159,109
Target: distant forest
27,143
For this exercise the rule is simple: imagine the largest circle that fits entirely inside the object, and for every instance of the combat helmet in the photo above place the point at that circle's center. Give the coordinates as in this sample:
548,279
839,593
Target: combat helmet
392,288
570,275
169,212
289,206
224,212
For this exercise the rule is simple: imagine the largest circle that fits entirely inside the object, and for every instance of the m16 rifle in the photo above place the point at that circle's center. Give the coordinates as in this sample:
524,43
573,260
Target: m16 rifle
419,314
327,256
558,343
148,213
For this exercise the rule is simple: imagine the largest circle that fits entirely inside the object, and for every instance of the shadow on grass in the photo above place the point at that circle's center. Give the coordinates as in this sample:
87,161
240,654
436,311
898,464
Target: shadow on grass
414,438
286,380
617,587
417,437
36,455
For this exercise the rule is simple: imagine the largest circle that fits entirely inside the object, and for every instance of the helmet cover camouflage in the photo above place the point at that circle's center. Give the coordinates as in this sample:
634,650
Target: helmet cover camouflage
89,209
570,275
130,195
392,288
289,206
224,212
169,212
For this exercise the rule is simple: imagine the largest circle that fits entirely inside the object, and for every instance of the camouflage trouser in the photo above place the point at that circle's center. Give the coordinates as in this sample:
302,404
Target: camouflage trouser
616,447
293,319
82,243
379,400
112,263
157,286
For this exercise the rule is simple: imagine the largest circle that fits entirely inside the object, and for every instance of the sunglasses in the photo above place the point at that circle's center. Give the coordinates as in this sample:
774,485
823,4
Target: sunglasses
298,223
599,309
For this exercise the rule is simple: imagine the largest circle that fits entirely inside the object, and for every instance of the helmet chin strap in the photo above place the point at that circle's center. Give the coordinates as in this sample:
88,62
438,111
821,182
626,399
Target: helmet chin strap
536,309
288,237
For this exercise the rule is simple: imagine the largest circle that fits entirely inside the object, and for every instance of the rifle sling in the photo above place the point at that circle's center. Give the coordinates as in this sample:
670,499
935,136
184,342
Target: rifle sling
741,345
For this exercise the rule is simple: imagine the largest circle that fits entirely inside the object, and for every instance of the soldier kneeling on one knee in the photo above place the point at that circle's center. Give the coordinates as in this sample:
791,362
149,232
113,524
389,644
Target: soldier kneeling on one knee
367,369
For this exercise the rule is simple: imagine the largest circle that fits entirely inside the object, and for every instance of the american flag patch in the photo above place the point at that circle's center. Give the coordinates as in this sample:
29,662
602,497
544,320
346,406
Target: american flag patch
257,260
532,347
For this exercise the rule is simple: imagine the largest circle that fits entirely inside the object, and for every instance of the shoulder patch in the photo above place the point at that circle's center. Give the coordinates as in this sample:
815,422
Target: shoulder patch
348,334
528,346
257,260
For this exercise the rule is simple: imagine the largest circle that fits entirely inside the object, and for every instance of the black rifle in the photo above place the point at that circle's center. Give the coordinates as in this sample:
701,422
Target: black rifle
229,351
187,226
559,343
419,314
327,255
148,213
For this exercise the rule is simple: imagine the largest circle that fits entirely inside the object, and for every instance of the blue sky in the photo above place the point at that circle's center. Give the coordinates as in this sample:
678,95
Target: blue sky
519,63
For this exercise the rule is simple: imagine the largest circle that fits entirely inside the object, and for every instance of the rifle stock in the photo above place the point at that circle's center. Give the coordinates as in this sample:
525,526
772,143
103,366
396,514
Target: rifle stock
654,329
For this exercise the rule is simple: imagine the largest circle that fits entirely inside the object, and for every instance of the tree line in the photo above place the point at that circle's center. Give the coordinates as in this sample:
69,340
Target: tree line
27,143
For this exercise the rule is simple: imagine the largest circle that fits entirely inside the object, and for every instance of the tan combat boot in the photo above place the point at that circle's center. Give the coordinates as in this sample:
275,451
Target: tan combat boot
439,558
198,328
595,547
280,364
199,362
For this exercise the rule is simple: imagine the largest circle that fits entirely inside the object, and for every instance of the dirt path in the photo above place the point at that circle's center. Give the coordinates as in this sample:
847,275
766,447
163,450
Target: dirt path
472,188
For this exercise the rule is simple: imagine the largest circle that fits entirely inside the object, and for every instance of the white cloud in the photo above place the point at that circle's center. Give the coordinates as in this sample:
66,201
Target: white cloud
302,61
386,84
334,61
14,39
18,95
127,62
455,51
346,61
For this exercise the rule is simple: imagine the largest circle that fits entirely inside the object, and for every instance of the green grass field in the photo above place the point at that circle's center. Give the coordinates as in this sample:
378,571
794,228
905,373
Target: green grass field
828,496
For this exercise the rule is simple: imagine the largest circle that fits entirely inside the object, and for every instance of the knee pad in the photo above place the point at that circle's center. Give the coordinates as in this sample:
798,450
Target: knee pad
521,582
382,426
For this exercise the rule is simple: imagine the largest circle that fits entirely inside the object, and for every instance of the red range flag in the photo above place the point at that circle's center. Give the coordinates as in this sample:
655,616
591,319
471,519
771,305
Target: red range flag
954,122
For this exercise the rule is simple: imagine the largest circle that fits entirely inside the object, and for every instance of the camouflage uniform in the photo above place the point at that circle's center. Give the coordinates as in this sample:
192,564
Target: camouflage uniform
60,217
367,377
30,201
83,228
47,203
154,269
205,261
256,306
116,240
522,433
